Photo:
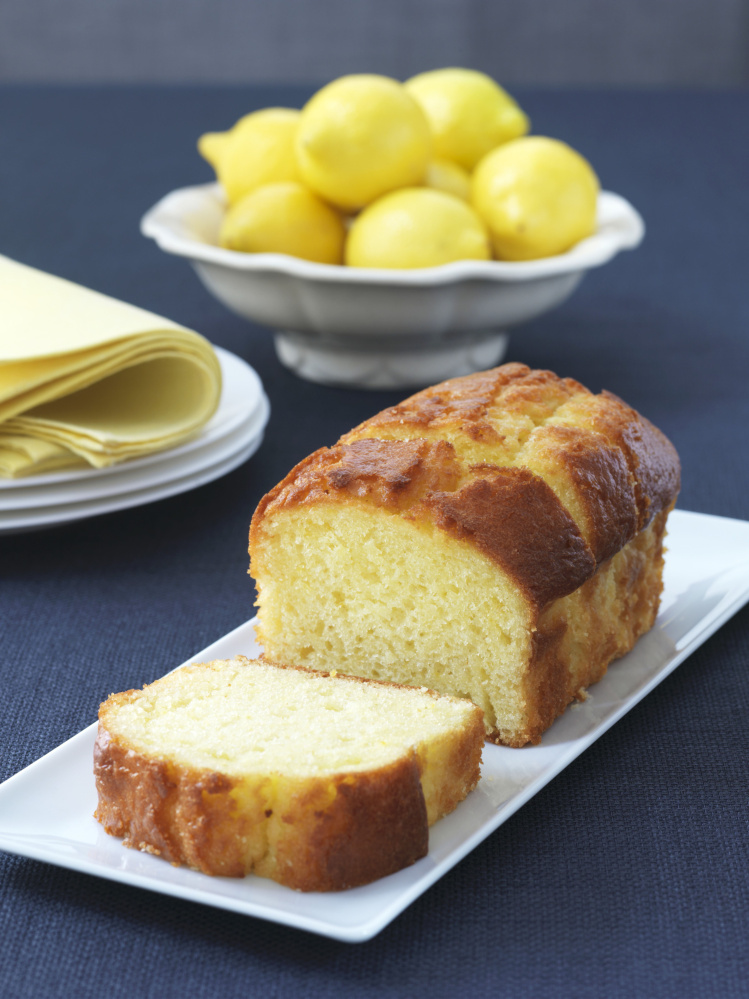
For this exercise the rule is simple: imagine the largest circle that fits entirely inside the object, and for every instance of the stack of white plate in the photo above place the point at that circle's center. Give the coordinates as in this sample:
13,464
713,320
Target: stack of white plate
233,434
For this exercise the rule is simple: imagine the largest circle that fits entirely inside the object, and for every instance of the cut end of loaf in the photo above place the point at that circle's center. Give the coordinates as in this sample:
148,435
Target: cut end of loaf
395,600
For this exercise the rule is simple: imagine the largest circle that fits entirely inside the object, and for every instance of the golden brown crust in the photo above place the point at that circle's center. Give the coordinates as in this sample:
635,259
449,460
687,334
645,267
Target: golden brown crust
369,825
514,518
376,825
550,686
600,474
650,455
185,816
467,402
623,470
395,474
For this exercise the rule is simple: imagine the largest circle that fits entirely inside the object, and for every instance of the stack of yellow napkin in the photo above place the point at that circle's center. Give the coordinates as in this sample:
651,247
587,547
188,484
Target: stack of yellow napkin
87,379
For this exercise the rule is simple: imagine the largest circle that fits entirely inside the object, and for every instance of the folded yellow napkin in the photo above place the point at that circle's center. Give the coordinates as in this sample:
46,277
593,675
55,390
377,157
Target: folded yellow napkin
84,377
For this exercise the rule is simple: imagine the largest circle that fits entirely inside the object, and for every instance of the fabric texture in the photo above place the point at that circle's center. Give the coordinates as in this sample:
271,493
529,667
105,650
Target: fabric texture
628,875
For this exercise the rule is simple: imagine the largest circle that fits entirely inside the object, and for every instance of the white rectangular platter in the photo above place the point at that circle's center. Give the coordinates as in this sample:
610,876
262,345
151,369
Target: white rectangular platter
46,810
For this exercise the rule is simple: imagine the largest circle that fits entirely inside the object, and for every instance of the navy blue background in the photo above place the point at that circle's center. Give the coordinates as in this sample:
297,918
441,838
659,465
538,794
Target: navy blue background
627,876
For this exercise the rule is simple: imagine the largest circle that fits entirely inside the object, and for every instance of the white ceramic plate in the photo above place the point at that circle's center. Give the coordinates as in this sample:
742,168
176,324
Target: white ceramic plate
230,437
377,328
46,810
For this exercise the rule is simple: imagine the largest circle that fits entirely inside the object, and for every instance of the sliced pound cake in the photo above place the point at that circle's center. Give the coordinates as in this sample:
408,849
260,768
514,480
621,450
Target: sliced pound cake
497,537
317,780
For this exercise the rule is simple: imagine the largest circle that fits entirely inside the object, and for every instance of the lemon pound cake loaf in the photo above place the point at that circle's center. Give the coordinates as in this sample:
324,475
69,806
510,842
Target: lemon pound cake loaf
498,537
316,780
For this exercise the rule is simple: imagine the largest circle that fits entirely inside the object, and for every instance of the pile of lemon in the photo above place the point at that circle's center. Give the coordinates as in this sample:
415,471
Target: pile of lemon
377,173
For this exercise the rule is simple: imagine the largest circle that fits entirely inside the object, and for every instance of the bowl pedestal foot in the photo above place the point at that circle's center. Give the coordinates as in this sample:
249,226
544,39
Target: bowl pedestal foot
389,362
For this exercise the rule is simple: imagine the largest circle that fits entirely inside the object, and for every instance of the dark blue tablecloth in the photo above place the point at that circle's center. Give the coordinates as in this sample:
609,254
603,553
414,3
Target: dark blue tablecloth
628,875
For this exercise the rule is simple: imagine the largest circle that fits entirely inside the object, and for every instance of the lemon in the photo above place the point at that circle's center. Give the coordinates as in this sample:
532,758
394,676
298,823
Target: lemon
416,227
259,149
537,196
360,137
211,146
468,112
445,176
284,218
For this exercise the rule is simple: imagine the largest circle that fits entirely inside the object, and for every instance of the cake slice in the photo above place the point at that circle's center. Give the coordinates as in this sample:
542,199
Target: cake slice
316,780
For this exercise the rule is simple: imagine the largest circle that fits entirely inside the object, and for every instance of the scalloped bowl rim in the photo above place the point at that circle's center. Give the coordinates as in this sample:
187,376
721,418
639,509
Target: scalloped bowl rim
621,227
